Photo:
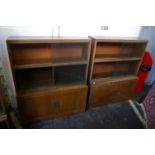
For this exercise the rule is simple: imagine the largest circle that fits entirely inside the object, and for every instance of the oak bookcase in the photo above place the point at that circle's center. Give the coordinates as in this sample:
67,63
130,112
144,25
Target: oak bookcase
114,63
50,75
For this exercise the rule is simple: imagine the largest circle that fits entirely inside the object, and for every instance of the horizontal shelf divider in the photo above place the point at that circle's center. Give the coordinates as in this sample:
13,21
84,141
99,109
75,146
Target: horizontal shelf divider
116,59
52,64
43,88
106,79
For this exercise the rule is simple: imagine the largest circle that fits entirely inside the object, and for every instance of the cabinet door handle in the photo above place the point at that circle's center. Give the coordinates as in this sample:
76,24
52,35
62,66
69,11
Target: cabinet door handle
56,104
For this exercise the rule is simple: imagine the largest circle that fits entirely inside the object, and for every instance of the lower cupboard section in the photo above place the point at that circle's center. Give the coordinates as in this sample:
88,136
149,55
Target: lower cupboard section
104,92
52,102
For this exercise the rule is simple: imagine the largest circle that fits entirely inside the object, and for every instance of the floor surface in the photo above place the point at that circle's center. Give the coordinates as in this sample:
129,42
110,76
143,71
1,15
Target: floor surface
111,116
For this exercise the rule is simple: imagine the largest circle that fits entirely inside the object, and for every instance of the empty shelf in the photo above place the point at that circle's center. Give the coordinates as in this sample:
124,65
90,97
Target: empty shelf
117,59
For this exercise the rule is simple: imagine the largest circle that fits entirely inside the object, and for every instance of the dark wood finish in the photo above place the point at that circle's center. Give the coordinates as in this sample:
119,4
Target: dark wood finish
111,91
52,102
113,60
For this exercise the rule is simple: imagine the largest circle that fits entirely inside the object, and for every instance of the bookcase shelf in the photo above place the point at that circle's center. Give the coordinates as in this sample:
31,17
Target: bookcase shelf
110,79
117,59
33,78
37,78
116,49
114,69
46,63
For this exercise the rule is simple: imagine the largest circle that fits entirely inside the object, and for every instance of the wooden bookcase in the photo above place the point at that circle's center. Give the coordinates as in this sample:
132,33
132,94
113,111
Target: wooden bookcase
50,75
114,63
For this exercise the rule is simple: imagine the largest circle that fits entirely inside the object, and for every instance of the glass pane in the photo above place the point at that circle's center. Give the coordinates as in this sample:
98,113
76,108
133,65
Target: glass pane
34,78
119,50
114,69
70,74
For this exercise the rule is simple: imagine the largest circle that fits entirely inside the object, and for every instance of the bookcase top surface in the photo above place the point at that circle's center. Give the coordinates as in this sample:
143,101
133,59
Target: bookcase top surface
46,39
118,39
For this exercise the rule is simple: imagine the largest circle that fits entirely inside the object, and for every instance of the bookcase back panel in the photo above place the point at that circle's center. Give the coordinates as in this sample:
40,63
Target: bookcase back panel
67,51
70,74
119,50
31,53
49,77
33,78
112,69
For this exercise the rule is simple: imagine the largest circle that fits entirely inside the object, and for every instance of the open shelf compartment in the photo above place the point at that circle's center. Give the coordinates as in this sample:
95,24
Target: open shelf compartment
48,54
117,59
70,74
69,52
36,78
119,50
114,69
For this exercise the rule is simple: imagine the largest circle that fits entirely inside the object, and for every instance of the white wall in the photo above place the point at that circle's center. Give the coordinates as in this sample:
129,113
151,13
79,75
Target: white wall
65,30
148,32
72,30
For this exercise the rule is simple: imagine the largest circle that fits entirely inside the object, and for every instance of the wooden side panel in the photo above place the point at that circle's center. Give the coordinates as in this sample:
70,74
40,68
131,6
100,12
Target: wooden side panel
112,91
53,103
91,61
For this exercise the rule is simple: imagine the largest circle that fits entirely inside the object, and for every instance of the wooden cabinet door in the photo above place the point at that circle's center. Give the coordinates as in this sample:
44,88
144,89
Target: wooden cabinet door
52,103
111,91
70,100
36,106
